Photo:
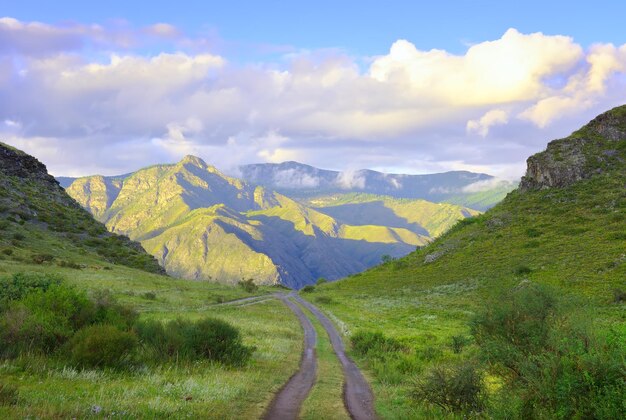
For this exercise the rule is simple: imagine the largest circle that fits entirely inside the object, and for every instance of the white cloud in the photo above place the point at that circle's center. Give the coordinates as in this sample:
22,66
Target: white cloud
491,118
351,179
409,109
486,185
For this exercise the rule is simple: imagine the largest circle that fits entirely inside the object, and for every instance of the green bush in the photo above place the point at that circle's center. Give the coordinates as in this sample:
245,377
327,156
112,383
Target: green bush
458,342
18,236
248,285
8,394
99,346
42,258
308,288
207,338
619,295
459,388
522,270
374,343
107,310
18,285
324,300
553,363
150,296
321,280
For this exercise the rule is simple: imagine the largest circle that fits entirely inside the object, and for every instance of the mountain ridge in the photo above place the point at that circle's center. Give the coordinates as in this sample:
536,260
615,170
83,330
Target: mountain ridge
202,224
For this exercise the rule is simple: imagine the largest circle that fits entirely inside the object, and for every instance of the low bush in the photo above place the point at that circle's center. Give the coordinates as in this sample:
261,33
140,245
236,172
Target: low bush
107,310
8,394
552,361
619,295
150,296
18,285
458,388
42,258
100,346
522,270
374,343
324,300
248,285
308,288
207,338
321,280
458,342
18,236
40,313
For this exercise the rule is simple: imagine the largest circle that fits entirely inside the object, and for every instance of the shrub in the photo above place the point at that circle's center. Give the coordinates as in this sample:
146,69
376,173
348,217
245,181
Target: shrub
102,346
386,258
248,285
321,280
7,251
69,264
150,296
522,270
107,310
208,338
8,394
619,295
458,342
552,362
459,388
19,285
324,300
42,258
374,343
308,288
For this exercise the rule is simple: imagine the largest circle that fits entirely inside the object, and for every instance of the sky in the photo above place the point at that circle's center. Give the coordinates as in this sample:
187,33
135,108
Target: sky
405,87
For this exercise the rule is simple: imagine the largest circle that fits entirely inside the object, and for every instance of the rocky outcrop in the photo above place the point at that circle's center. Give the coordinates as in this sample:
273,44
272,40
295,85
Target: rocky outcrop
595,148
562,164
14,162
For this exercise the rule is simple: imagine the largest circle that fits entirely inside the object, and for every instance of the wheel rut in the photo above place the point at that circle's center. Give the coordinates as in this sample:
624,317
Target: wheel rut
357,394
288,401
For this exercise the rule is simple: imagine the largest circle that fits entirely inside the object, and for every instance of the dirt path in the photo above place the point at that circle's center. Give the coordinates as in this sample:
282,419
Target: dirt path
287,403
357,393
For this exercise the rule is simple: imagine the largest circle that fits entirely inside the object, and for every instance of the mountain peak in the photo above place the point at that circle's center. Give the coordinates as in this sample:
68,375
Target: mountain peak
193,160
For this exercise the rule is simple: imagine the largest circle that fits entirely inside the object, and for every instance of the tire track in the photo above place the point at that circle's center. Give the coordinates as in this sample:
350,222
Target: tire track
357,394
288,401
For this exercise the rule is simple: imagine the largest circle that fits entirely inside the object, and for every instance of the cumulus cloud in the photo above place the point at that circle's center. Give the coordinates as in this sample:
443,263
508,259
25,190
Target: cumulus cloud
409,110
481,126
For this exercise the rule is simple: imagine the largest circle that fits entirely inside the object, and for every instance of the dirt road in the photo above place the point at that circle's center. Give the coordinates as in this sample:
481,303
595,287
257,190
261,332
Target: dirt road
287,403
357,393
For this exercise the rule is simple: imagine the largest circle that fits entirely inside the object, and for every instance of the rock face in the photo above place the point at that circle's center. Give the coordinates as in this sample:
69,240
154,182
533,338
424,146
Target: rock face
16,163
594,149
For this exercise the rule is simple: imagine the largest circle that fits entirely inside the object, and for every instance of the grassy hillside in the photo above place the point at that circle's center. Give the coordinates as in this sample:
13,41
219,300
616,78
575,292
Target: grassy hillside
565,229
47,238
201,224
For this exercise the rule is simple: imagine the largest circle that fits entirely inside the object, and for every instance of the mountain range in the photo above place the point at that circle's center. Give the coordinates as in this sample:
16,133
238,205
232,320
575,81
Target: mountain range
202,224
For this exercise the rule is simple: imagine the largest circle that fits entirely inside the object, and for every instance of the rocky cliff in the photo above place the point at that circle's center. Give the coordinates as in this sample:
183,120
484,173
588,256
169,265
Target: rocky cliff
598,147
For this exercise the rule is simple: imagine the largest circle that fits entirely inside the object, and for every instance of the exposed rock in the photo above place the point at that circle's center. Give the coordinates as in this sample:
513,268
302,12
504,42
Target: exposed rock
17,163
434,256
589,151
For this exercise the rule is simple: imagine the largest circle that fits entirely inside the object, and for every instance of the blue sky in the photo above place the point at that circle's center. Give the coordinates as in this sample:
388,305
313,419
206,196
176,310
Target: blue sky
416,87
362,27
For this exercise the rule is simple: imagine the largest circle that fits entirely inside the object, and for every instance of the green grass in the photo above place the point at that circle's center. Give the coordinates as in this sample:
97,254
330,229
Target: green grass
46,388
325,400
569,239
